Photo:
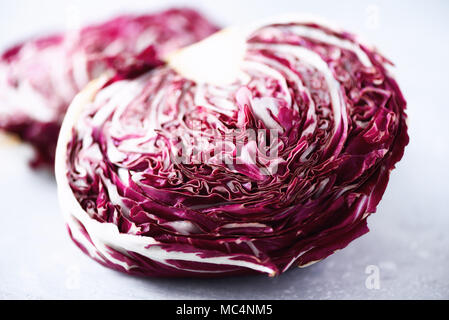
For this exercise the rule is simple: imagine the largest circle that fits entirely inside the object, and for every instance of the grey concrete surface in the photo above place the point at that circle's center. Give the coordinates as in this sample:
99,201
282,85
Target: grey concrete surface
408,246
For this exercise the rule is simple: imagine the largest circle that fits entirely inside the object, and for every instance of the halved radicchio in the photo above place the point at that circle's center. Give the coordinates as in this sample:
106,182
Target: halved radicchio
169,175
40,77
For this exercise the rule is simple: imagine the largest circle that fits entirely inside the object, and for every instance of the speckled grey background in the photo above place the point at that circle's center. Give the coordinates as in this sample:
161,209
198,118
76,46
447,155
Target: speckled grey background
407,249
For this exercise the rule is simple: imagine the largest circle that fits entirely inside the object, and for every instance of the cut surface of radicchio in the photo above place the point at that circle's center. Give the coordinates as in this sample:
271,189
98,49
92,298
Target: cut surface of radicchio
162,175
40,77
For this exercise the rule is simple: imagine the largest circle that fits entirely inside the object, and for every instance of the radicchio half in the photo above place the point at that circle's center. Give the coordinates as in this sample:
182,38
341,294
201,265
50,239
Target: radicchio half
165,176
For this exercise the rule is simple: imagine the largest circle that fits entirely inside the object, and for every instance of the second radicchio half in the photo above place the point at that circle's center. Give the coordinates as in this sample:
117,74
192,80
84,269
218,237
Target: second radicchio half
40,77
